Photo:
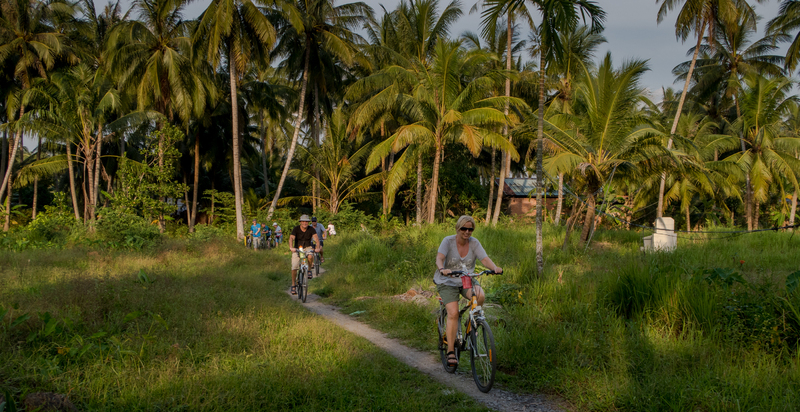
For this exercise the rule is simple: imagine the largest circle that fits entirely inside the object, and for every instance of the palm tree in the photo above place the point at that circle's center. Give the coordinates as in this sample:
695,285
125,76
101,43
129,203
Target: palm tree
787,21
441,108
697,16
33,46
338,159
240,31
610,138
769,154
314,31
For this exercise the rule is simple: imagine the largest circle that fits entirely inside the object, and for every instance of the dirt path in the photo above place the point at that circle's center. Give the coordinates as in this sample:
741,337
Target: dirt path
430,364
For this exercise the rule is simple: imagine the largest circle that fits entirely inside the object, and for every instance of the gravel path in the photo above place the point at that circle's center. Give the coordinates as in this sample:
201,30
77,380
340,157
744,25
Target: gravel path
430,364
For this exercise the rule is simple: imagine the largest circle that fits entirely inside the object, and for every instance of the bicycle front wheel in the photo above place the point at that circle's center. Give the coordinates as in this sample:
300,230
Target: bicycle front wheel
303,281
482,356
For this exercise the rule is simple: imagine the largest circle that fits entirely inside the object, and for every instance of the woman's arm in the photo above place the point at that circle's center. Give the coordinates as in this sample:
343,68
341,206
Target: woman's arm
440,264
490,265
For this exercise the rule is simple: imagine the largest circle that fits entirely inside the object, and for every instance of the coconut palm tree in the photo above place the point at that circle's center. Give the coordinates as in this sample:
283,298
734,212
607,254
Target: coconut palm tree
320,33
441,106
787,21
610,138
698,16
770,153
32,46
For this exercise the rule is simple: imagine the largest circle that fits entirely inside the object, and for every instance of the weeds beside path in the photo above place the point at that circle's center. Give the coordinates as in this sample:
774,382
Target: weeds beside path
190,326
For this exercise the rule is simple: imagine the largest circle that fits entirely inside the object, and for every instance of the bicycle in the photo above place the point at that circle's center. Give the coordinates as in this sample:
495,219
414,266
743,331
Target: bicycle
479,342
317,260
302,274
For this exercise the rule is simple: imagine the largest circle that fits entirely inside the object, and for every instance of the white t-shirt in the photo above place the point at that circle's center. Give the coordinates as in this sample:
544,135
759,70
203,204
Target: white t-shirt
454,261
331,229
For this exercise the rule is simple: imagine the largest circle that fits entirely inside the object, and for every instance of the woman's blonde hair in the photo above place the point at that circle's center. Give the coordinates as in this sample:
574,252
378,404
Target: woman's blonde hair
464,219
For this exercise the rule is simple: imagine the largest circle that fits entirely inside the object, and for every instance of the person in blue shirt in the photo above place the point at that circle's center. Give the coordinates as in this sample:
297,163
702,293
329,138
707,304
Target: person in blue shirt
255,230
266,232
278,233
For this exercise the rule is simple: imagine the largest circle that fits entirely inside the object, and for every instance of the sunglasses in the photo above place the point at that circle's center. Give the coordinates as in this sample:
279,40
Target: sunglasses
466,229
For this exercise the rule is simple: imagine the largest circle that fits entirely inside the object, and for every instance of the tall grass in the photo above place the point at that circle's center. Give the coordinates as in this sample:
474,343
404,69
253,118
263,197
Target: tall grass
707,327
188,326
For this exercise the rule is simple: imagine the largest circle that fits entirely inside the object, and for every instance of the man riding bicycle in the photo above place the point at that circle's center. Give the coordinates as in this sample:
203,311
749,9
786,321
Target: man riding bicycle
320,234
302,236
458,252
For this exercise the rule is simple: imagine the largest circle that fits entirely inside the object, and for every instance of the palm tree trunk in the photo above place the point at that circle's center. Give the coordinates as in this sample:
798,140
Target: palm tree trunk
660,210
757,216
71,173
539,172
509,60
587,224
501,183
437,161
560,198
317,130
491,188
296,133
688,218
186,202
419,189
237,166
264,169
15,146
196,180
384,191
4,155
97,165
793,210
36,179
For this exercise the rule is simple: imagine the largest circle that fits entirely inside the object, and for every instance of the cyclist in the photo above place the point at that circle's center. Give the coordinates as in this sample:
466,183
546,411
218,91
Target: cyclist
255,231
267,232
302,235
278,233
321,234
458,252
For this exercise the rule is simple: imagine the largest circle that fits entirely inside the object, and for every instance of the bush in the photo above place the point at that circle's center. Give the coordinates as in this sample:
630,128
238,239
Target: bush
120,229
205,233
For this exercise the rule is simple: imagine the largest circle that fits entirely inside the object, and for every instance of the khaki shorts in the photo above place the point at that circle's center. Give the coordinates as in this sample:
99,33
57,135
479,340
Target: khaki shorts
450,293
296,261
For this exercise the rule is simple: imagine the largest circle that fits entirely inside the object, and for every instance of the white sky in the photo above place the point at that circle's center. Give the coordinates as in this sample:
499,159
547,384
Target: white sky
631,31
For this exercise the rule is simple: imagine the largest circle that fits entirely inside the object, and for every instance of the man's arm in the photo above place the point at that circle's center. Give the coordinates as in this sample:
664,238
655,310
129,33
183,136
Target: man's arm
316,242
291,243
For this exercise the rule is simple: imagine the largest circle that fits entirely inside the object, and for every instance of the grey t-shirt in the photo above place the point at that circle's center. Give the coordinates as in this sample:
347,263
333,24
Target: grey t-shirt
454,261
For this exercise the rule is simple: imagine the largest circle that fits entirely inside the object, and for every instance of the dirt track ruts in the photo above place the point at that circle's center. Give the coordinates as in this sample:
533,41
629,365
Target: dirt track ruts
430,364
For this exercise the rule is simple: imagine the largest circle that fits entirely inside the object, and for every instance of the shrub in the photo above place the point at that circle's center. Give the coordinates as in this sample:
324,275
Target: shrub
120,229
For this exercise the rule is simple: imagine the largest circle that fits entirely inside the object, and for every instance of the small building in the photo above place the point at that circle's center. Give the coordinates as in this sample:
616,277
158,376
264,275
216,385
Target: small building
520,195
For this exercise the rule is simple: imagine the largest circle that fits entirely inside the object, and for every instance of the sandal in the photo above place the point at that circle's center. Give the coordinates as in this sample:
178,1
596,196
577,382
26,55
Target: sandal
452,360
294,290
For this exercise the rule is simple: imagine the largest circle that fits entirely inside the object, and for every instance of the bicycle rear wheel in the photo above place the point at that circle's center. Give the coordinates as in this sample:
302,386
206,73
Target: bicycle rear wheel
483,356
317,262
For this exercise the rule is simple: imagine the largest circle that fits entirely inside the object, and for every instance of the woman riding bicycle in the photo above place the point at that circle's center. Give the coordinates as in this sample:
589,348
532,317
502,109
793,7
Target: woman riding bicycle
459,252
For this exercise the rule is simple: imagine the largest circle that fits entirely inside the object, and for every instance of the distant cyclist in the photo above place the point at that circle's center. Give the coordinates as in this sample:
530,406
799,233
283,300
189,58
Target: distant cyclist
278,233
267,233
255,231
302,236
321,235
458,252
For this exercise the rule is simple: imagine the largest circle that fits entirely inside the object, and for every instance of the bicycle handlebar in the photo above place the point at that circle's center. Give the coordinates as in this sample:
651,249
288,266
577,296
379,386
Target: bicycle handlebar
472,275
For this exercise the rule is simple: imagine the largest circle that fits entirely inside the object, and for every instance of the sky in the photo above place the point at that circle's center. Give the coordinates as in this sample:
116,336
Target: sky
630,29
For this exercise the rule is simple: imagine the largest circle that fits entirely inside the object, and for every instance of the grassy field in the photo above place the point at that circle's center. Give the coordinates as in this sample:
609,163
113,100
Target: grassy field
710,327
188,326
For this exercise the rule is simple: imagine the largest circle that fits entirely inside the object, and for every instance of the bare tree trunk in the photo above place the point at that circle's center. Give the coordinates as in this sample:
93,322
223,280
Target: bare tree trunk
186,202
10,168
560,198
419,189
437,161
264,169
293,145
491,188
196,185
660,210
688,218
587,224
71,173
98,151
36,179
7,222
237,165
577,208
539,171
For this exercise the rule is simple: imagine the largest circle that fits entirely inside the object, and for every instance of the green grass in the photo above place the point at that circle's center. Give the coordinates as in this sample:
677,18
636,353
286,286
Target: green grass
622,330
189,326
